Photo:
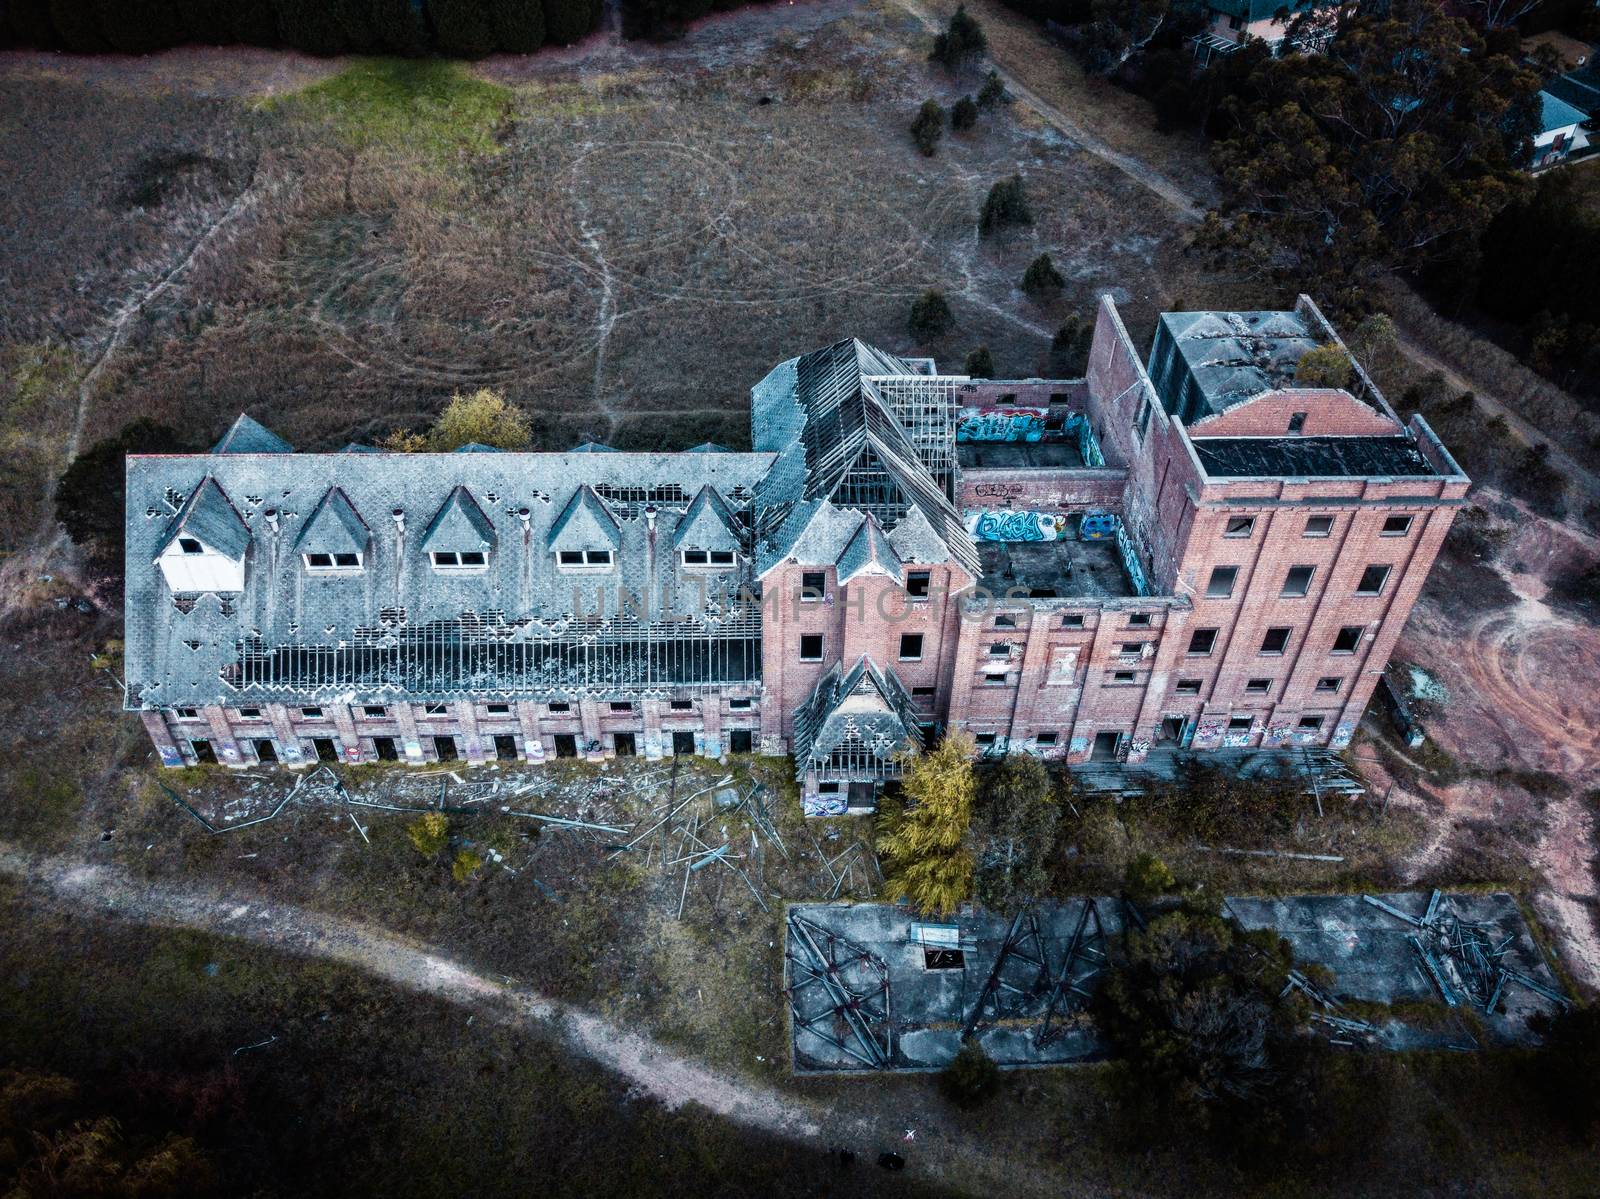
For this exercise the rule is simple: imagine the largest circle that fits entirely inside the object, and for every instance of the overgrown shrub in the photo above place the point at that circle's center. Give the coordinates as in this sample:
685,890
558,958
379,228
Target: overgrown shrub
1041,279
928,127
980,363
963,114
462,27
1324,366
565,21
518,25
466,864
399,27
922,837
930,316
483,418
1006,206
971,1079
1147,878
429,833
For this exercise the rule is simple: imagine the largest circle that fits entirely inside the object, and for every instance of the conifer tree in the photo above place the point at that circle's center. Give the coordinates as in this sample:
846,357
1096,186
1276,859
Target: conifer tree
922,838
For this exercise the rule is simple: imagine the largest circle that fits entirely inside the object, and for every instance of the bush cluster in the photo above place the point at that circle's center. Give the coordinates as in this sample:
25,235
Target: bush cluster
457,28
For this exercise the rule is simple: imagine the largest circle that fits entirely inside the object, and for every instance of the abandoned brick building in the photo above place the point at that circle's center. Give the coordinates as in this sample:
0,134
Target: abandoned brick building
1196,551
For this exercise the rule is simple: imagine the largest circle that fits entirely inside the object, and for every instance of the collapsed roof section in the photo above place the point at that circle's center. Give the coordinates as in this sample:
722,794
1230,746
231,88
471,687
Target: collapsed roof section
838,442
858,725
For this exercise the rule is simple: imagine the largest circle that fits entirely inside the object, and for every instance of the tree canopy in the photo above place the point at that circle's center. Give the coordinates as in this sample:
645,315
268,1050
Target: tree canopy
483,418
1015,831
922,836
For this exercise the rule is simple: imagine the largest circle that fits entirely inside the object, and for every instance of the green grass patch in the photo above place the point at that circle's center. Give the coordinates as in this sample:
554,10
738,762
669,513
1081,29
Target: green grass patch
424,107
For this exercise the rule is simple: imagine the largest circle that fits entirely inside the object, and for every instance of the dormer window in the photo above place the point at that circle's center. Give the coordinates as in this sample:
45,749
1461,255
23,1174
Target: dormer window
331,563
585,559
190,546
460,560
708,559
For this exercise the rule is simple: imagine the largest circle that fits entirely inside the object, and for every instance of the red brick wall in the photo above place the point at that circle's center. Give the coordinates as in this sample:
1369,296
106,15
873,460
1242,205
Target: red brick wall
1327,413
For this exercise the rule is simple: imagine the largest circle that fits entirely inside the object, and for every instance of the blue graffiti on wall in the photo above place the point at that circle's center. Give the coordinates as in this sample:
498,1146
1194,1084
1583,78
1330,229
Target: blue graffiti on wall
1001,424
1016,524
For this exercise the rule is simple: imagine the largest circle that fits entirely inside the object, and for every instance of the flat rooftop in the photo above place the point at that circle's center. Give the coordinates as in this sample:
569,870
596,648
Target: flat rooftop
1311,457
1065,567
1010,455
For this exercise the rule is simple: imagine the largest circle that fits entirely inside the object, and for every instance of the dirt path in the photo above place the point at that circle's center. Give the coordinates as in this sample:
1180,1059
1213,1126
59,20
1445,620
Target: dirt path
653,1068
1189,206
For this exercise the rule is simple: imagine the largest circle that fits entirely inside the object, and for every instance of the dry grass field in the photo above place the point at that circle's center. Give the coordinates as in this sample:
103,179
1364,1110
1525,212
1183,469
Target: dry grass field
623,240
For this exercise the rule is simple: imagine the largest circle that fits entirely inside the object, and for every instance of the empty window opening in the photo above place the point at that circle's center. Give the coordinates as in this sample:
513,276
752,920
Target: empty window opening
1348,640
266,751
917,582
249,713
1009,397
1171,729
560,708
812,583
1221,584
327,751
994,679
1188,687
311,713
1122,676
1330,683
188,713
936,957
910,647
1319,526
1372,580
740,741
739,705
1044,738
1072,620
1105,747
386,749
203,751
565,557
316,562
1239,526
1396,526
1297,582
1005,621
445,748
1139,619
1258,686
190,546
811,647
1000,649
1202,641
922,692
505,747
497,709
827,788
1131,649
682,705
436,709
566,745
1297,422
459,559
374,711
1310,724
622,706
682,742
694,557
1239,724
1276,641
623,745
984,738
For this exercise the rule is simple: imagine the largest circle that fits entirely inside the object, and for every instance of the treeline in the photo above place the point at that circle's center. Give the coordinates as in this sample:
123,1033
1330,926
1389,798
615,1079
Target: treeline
457,28
658,20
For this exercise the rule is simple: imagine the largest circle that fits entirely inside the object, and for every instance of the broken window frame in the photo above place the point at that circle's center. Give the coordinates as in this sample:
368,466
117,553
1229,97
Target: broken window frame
813,584
918,583
1198,637
1318,526
1222,582
1258,686
374,712
1239,526
1330,684
1293,590
1402,530
1187,687
1275,642
1352,633
1362,588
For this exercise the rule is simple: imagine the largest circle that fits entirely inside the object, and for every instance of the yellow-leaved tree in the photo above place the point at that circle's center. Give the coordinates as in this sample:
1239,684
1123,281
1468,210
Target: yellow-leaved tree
1325,366
923,837
483,418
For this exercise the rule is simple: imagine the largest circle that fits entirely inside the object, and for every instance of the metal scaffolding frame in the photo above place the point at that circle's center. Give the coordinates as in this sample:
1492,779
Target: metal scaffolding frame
1024,984
854,1018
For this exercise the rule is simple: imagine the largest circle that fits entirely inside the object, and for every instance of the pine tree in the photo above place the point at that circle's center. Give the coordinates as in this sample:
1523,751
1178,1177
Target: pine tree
399,27
1041,279
1006,206
566,21
980,363
960,43
928,127
518,25
922,838
139,26
930,315
309,25
992,92
463,28
1069,349
963,114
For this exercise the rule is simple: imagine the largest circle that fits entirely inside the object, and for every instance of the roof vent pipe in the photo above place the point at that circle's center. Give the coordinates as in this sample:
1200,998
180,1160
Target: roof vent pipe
399,515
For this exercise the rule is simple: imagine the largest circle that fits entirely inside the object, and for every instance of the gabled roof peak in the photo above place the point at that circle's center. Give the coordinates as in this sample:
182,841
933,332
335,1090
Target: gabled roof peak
868,552
249,436
708,524
208,516
585,523
460,524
